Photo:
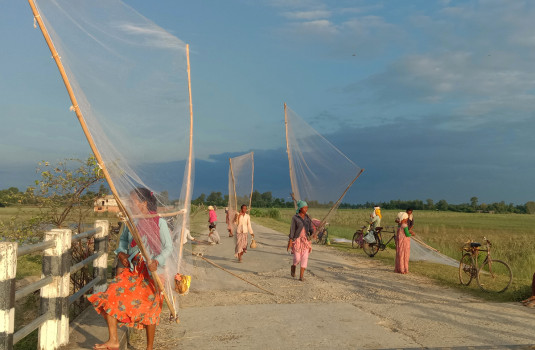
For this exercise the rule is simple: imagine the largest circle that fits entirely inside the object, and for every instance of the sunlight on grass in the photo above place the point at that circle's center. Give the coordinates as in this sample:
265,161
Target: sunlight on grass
511,236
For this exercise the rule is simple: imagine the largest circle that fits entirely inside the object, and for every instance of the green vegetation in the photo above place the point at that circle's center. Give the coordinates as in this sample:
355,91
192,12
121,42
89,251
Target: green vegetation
266,200
512,236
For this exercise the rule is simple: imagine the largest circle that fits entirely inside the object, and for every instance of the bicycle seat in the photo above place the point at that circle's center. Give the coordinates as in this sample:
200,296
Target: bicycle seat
378,229
475,245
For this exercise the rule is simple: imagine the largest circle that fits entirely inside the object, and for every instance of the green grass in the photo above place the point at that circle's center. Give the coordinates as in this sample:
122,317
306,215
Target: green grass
512,236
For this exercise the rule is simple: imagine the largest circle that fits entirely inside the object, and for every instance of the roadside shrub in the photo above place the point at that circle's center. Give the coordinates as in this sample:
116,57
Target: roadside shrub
257,212
274,214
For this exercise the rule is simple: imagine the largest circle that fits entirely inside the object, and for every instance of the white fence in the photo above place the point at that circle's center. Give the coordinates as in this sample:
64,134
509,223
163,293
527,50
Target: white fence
54,285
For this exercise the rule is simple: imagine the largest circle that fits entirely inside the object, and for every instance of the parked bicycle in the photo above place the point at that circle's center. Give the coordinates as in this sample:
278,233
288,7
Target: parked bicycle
321,235
371,247
358,237
492,276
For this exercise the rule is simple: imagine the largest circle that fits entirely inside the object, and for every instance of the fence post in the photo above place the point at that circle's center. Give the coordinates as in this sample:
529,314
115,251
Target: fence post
101,264
8,270
55,296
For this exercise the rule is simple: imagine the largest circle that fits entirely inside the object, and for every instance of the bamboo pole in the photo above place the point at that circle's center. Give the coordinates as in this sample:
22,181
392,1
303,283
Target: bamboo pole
292,175
78,112
252,182
339,199
188,186
233,185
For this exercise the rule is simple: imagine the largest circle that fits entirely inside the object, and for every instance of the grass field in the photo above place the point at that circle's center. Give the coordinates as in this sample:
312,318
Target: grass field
512,236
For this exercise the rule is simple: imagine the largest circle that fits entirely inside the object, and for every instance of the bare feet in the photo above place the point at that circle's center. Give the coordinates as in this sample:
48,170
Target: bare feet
106,346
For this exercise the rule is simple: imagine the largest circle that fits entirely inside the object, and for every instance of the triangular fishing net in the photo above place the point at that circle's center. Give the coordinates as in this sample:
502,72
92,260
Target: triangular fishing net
320,174
240,185
130,81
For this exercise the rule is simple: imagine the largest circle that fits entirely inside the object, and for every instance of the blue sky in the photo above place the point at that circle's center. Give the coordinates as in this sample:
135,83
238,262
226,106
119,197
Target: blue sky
435,99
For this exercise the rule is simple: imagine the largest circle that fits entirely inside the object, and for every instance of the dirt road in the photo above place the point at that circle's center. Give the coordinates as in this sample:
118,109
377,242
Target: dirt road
344,303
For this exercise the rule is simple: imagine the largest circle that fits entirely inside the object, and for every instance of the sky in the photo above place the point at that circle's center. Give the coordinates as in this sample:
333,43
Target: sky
434,99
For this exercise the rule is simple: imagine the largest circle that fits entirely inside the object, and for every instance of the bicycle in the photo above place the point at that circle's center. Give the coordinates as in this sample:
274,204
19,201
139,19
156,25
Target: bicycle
492,276
372,248
322,236
358,238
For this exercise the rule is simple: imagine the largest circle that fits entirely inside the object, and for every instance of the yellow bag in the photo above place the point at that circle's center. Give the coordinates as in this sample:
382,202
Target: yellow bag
182,283
253,243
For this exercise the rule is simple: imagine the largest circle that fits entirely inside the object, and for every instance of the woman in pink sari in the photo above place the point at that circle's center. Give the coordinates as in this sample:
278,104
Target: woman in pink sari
299,239
403,241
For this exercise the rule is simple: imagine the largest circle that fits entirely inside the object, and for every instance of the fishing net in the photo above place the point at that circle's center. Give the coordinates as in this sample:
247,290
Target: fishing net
422,252
320,174
240,185
130,81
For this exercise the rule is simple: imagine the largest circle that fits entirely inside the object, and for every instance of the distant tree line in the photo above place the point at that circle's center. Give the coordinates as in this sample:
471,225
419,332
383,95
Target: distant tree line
266,200
13,196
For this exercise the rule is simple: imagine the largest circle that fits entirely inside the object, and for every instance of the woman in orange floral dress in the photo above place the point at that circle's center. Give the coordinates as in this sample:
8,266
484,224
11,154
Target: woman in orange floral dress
132,298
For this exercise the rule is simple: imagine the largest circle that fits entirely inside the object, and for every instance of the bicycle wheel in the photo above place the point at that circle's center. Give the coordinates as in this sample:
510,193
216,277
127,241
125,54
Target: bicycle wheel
467,271
356,239
370,248
494,276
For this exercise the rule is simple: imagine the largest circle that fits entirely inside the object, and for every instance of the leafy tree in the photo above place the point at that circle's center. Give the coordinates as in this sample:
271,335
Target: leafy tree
199,200
442,205
473,202
530,207
103,190
64,189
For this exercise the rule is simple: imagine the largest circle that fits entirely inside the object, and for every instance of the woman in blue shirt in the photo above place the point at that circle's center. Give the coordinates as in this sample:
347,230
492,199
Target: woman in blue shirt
132,299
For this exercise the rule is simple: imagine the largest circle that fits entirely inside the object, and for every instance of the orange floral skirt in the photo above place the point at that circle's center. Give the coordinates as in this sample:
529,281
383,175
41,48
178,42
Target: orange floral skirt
131,298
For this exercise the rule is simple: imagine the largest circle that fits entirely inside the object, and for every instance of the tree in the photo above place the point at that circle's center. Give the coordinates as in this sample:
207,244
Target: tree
103,190
64,189
473,202
530,207
442,205
429,204
199,200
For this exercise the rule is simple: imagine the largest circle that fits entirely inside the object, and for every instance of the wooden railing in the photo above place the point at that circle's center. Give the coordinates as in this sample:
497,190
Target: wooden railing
54,285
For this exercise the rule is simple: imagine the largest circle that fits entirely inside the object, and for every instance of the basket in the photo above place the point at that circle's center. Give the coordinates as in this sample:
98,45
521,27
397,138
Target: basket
182,283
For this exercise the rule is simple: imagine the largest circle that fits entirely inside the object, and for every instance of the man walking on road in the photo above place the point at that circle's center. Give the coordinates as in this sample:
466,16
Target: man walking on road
244,227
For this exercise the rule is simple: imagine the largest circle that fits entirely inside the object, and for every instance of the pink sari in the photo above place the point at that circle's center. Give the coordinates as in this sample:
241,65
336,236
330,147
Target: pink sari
301,249
403,250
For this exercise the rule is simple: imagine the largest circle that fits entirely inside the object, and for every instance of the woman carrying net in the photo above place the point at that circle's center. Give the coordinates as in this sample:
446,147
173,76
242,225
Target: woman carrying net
132,299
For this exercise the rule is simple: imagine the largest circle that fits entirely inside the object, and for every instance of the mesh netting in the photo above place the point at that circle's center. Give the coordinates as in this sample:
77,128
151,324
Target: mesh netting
240,185
320,174
422,252
130,81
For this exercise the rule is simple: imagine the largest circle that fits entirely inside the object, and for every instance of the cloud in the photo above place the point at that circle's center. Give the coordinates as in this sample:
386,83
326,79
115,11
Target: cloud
307,15
336,30
318,29
152,36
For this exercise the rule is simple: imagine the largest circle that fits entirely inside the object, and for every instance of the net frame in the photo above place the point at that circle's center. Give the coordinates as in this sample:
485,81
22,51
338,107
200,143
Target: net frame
238,183
297,160
130,213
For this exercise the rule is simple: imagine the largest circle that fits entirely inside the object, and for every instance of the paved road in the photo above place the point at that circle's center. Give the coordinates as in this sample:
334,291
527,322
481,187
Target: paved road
345,303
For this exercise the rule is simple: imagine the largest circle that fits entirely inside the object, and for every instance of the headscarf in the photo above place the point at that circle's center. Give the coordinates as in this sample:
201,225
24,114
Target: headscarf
377,211
300,204
149,232
402,216
210,207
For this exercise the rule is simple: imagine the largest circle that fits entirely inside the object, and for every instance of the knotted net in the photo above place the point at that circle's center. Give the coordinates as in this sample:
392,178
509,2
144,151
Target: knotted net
128,80
240,185
320,173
